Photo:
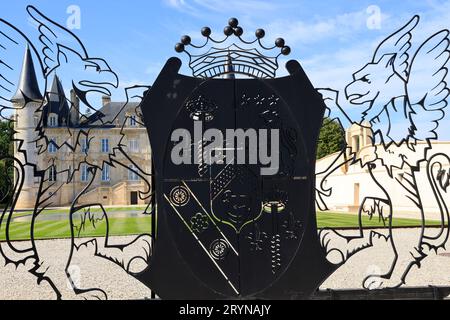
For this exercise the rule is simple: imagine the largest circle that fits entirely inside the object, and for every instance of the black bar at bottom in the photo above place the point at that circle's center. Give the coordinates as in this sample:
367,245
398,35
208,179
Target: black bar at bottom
412,293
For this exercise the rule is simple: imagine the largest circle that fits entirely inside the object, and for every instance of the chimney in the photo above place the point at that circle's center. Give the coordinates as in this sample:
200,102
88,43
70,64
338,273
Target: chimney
75,109
106,100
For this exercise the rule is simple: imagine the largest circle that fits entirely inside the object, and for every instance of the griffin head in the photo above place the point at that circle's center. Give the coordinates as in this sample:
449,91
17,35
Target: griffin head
89,75
376,85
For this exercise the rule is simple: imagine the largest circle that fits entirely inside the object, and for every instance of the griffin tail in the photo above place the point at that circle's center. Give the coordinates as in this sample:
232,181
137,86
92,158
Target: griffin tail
439,178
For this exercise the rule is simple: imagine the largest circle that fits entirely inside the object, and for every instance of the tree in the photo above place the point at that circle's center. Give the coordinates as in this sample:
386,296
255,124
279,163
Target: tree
6,132
6,150
331,138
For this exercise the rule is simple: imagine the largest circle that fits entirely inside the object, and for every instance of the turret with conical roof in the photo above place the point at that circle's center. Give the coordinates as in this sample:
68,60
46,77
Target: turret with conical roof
26,103
28,88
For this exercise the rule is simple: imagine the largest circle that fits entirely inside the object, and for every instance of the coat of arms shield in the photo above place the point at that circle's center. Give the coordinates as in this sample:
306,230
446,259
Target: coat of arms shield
224,229
234,173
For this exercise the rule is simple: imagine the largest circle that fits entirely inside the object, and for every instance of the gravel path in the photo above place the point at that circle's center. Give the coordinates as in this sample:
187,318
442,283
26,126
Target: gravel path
97,272
434,270
94,272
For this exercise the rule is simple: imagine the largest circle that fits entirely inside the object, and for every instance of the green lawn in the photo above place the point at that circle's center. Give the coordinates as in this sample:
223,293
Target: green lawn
141,225
346,220
60,229
96,209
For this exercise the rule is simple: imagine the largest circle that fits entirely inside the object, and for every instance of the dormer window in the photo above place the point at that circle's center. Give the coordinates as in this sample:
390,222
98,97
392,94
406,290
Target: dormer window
133,121
53,120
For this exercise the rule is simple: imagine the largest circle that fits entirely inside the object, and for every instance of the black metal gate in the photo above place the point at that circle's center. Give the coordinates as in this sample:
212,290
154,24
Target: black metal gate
225,229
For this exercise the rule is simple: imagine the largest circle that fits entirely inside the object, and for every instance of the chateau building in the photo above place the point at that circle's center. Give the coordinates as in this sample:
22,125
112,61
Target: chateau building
350,184
69,145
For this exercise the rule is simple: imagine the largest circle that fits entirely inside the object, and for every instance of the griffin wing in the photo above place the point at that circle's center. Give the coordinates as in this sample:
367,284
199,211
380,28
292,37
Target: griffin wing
12,45
427,85
52,36
400,43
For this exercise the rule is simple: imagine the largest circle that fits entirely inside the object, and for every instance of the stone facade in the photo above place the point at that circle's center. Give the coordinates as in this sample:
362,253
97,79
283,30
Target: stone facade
350,184
75,158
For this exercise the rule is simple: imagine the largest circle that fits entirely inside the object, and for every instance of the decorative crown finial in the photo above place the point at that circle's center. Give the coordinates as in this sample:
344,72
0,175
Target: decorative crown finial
244,57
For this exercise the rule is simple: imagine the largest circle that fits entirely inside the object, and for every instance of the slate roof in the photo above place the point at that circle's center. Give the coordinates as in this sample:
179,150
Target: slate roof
28,84
112,113
57,103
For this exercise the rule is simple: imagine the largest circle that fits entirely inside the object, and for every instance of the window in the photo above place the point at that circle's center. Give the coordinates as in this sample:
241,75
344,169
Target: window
105,145
132,175
133,122
84,145
134,145
52,174
105,174
52,147
53,120
84,173
356,144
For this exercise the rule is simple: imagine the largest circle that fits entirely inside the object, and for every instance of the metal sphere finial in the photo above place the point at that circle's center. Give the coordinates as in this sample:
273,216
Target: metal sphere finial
286,50
280,42
206,31
186,40
260,33
179,47
228,31
233,22
238,31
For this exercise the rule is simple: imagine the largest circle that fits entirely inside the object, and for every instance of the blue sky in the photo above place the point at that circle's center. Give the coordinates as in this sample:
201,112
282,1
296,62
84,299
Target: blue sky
331,39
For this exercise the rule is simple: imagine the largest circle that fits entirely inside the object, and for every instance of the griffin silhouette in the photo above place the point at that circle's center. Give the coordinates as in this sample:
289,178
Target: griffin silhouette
56,50
411,88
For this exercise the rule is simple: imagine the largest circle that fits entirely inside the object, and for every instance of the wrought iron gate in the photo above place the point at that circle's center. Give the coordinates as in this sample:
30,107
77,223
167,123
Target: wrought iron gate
224,229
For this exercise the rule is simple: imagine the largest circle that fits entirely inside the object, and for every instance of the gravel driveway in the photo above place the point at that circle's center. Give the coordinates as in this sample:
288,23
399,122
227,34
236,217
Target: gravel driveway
434,270
97,272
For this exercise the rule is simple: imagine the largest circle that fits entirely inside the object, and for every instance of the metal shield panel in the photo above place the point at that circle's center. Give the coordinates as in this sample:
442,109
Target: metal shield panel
225,228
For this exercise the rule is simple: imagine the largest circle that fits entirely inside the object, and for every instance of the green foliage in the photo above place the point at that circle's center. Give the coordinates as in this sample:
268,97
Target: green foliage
6,132
331,138
6,150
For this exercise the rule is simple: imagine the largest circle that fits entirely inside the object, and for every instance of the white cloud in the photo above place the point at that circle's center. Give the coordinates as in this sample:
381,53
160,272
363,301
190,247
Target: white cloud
235,7
181,5
340,27
238,6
